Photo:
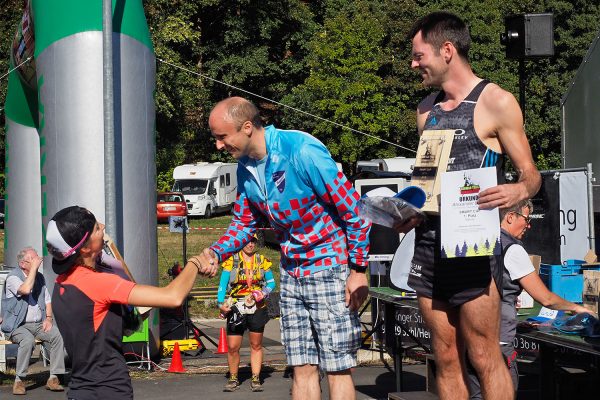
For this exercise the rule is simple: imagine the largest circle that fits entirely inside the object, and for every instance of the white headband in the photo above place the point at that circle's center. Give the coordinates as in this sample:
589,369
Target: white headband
57,246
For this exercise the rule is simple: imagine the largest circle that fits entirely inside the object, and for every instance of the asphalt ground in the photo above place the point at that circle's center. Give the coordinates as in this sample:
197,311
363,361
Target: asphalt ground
205,373
371,382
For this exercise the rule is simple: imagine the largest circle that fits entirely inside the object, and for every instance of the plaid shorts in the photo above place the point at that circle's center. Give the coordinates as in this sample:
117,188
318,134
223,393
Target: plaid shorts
316,326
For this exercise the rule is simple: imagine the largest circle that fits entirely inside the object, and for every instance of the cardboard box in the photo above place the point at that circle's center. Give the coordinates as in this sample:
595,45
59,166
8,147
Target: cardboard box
591,289
524,300
536,261
591,259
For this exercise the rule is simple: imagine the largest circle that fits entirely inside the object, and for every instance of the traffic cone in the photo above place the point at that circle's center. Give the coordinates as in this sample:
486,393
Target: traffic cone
176,364
222,348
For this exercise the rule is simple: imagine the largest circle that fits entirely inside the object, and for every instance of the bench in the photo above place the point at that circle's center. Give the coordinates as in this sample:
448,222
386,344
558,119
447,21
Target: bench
4,342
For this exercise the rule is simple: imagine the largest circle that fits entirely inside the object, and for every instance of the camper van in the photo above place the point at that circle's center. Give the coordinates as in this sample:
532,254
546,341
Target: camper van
396,164
208,188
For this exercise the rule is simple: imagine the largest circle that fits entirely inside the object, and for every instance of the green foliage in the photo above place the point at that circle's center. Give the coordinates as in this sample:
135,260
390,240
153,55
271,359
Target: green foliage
345,85
347,61
180,96
10,14
257,45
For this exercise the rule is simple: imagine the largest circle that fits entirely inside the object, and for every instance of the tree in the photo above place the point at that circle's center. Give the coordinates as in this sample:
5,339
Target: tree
254,45
347,61
345,85
259,46
464,249
179,95
10,14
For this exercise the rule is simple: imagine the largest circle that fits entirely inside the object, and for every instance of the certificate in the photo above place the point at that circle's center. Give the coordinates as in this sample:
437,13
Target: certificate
467,231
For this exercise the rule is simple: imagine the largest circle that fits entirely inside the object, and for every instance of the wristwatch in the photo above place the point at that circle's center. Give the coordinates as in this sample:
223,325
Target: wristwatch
358,268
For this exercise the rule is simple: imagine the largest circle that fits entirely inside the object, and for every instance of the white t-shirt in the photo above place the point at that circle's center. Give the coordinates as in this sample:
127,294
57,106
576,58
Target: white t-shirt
257,167
517,262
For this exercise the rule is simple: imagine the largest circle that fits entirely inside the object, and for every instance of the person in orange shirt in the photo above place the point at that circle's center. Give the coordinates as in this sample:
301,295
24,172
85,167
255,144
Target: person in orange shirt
88,304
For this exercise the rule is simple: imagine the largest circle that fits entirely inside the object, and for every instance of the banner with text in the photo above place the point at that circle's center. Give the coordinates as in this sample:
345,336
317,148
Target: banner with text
573,215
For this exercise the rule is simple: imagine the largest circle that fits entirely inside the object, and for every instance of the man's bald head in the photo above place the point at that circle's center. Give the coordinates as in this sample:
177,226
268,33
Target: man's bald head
236,110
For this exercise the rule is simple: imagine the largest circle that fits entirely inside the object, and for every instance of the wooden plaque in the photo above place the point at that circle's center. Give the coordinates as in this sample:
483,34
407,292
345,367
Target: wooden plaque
432,160
112,250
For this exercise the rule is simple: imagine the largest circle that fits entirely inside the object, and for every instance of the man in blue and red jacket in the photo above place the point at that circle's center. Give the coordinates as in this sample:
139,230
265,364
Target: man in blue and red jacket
290,179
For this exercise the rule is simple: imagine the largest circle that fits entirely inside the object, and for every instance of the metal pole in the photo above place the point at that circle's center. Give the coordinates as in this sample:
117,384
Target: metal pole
522,86
185,226
110,197
590,196
185,305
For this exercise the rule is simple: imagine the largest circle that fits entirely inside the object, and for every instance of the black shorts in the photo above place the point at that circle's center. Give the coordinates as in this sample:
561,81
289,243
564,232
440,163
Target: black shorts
454,280
253,322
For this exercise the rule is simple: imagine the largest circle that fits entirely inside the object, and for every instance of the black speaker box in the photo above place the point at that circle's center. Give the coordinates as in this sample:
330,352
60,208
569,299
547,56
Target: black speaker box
529,36
171,323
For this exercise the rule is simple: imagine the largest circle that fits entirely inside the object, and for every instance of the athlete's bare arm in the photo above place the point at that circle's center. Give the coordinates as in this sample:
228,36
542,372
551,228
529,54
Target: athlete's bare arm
503,110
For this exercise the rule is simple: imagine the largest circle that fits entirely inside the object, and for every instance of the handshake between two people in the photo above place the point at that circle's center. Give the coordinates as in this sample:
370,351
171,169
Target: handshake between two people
207,263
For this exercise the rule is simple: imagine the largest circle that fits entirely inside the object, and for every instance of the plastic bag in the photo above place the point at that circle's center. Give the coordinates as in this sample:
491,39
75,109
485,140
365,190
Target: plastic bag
583,324
388,211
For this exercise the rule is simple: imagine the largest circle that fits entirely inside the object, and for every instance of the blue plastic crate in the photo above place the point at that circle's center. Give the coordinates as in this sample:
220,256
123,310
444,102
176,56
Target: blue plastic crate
565,280
574,262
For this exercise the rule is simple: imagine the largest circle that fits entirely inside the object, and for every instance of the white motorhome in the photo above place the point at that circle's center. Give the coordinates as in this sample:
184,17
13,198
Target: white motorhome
396,164
207,187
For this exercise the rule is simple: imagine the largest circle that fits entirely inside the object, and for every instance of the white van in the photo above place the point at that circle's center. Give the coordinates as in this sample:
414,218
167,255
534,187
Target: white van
207,187
396,164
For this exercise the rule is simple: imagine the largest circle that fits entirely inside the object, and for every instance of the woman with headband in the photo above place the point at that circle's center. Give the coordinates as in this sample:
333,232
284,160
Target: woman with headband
88,303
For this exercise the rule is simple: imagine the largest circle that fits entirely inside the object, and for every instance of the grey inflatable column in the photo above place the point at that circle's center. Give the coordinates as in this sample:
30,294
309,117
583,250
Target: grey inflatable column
69,68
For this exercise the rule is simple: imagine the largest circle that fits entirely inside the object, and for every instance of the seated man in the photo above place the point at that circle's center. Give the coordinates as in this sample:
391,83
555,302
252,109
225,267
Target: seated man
27,316
519,275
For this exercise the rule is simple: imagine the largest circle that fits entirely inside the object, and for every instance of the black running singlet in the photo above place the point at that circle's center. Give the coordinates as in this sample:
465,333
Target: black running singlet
455,280
468,151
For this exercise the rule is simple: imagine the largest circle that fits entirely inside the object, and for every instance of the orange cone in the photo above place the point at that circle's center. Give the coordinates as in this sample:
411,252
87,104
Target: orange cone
176,364
222,348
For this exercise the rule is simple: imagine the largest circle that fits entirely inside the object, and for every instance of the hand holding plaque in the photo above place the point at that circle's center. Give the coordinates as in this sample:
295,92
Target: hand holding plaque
433,154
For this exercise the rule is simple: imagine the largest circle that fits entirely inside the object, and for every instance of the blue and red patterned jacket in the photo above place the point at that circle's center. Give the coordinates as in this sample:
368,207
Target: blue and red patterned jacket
310,204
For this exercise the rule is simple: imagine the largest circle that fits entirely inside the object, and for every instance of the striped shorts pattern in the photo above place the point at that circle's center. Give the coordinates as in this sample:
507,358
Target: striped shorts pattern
316,326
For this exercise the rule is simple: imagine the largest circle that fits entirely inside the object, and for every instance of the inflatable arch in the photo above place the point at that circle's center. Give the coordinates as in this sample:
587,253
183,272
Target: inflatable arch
55,127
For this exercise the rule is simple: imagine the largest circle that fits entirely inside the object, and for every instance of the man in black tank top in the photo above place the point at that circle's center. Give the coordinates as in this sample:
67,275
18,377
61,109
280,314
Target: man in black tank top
458,297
